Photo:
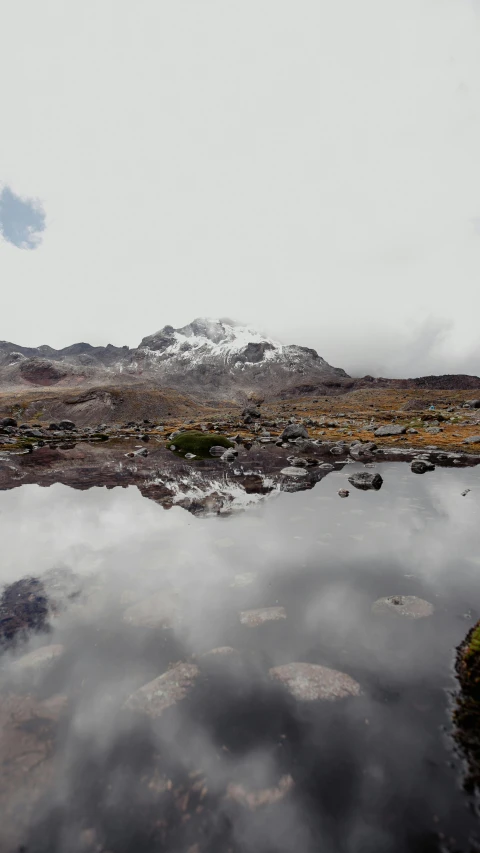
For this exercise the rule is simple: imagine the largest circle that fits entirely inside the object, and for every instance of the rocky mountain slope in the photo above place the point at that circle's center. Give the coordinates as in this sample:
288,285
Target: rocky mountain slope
206,362
207,359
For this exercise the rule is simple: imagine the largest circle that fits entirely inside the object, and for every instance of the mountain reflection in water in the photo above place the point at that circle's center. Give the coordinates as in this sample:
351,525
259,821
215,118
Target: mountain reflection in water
219,755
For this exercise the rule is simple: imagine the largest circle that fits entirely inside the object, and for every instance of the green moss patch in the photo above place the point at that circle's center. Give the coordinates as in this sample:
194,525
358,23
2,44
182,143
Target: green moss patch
198,443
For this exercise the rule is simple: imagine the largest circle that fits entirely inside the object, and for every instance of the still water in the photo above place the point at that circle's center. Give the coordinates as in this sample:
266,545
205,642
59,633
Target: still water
238,763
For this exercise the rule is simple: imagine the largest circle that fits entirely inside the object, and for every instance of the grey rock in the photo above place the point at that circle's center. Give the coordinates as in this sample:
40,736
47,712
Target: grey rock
326,466
8,422
360,449
66,425
298,461
216,450
39,659
420,466
392,429
294,431
253,618
166,690
309,682
344,493
472,439
293,472
365,480
404,605
473,404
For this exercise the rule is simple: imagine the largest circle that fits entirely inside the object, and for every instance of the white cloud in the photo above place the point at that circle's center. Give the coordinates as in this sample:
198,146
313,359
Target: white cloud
313,169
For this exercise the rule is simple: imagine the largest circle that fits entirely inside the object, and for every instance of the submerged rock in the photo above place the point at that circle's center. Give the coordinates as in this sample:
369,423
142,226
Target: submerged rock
256,798
252,618
157,611
404,605
309,682
163,692
243,579
39,659
344,493
364,480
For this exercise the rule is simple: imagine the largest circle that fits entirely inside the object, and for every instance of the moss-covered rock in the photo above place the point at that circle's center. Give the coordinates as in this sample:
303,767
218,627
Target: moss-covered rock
467,711
198,443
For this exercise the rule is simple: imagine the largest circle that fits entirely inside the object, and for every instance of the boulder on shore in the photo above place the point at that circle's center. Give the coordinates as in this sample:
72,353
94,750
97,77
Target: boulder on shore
294,431
390,429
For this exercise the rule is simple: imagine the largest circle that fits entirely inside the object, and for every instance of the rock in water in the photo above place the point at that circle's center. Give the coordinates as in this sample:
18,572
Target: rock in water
308,682
344,493
404,605
294,431
420,466
158,611
23,607
467,711
216,450
293,472
166,690
390,429
252,618
364,480
39,659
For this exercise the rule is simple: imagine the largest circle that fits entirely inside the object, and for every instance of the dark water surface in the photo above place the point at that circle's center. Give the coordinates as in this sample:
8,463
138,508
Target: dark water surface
369,773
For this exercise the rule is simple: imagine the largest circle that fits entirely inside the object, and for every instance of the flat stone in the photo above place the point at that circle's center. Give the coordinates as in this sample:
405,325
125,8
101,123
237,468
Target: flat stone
391,429
158,611
252,618
163,692
38,659
294,431
472,439
293,471
243,579
256,798
404,605
309,682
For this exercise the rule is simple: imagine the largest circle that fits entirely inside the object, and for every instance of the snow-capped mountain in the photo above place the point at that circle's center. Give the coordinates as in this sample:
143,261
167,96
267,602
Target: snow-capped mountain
212,359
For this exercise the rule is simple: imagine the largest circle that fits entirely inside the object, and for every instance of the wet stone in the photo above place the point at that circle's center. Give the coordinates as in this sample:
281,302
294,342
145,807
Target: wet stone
309,682
404,605
253,618
242,580
364,480
39,659
257,798
163,692
293,472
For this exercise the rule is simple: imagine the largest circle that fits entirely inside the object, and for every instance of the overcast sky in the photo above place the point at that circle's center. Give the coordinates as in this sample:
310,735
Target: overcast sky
311,168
